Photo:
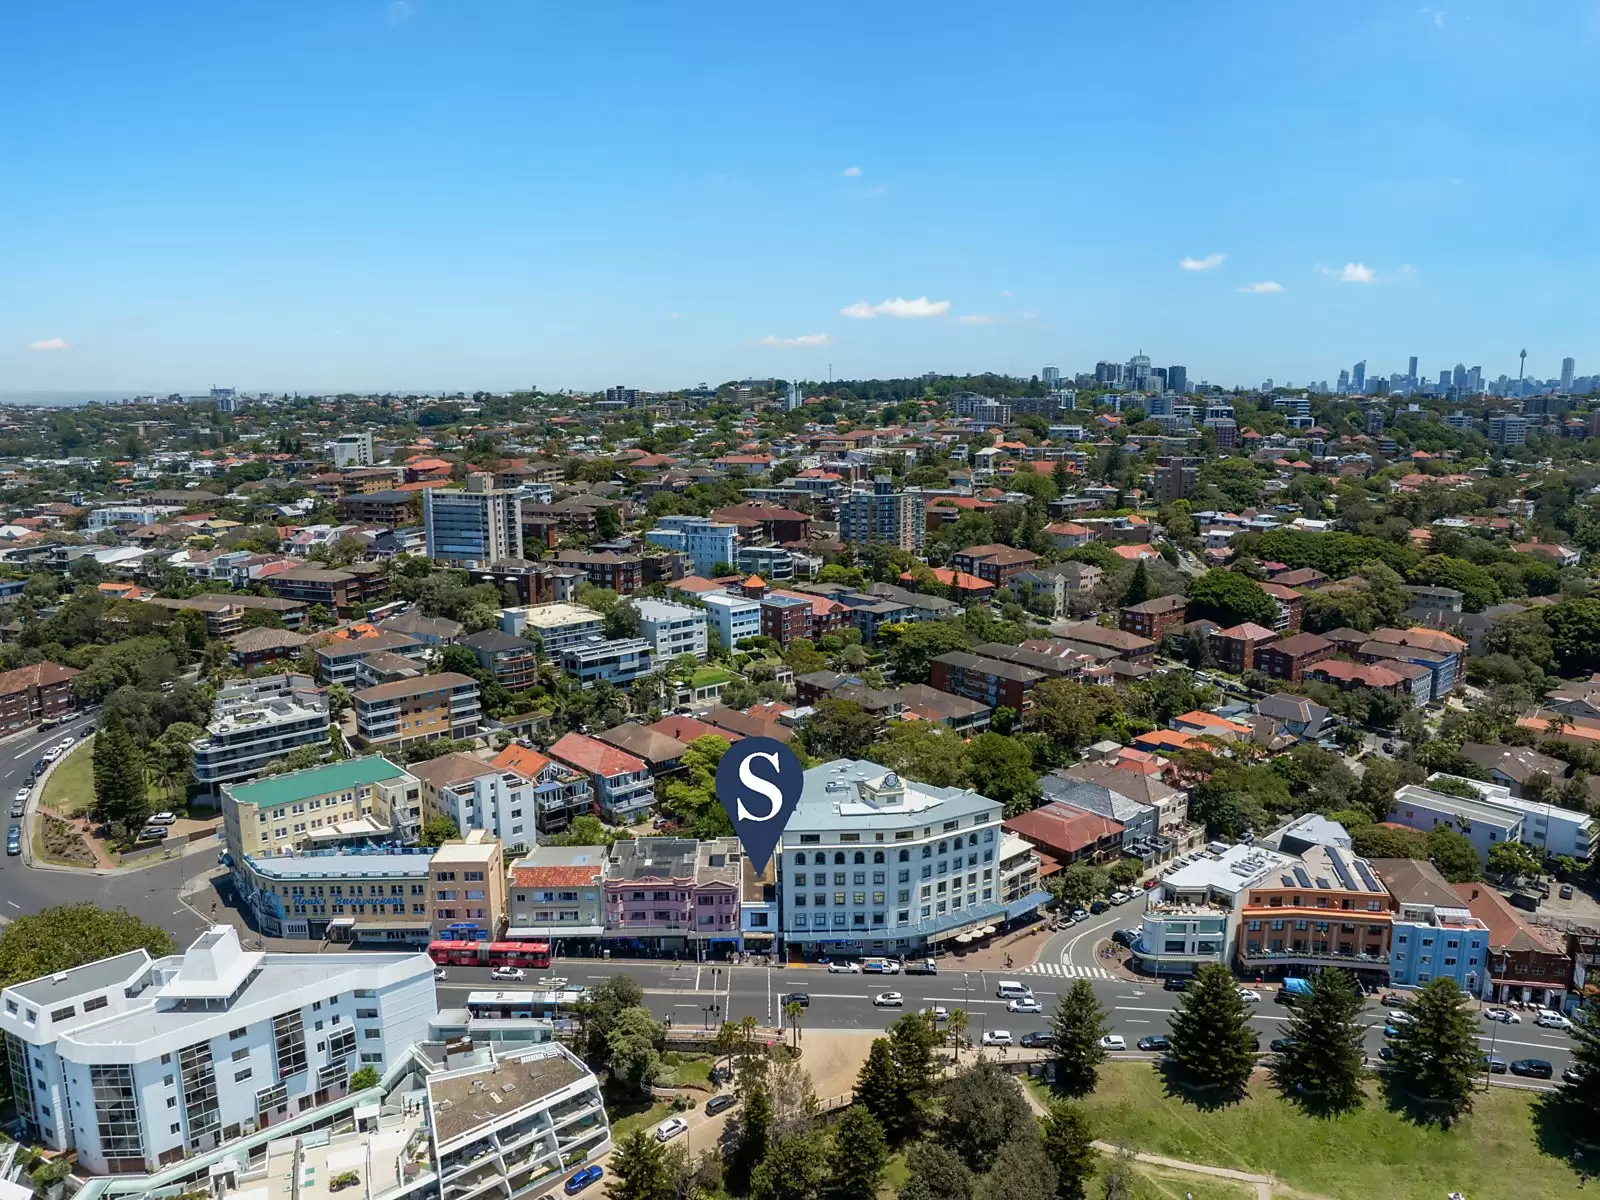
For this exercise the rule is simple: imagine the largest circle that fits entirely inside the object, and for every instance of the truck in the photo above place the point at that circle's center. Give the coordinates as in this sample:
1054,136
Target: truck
921,966
1293,989
879,966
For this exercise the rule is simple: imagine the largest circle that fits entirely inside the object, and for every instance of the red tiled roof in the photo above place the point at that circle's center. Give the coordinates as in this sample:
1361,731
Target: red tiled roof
593,756
553,877
1061,828
523,760
686,729
39,674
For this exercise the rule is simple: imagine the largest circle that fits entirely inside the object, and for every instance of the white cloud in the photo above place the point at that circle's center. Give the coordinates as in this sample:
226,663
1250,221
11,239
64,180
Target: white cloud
1201,264
672,316
1353,272
50,344
789,343
851,172
1007,292
898,307
399,12
1266,285
1437,14
1407,269
977,319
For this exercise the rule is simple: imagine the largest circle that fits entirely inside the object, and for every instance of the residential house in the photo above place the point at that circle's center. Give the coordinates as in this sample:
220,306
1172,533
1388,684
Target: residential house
1513,766
1288,658
1295,714
560,792
661,753
623,788
1069,835
1527,962
41,691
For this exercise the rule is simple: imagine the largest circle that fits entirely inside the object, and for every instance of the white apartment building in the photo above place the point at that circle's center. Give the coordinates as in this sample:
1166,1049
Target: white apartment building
558,892
476,794
137,1064
255,721
353,449
131,514
554,626
1194,917
475,527
733,617
873,863
672,629
705,541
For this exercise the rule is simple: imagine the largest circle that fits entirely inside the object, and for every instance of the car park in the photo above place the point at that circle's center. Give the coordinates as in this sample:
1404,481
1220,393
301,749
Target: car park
671,1128
1026,1004
1154,1043
1250,996
996,1037
508,973
844,968
720,1103
803,999
888,1000
1549,1018
1037,1040
1533,1068
582,1179
1504,1015
1113,1041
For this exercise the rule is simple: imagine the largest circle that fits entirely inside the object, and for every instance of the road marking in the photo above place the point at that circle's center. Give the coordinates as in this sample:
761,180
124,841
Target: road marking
1137,1021
14,905
1070,970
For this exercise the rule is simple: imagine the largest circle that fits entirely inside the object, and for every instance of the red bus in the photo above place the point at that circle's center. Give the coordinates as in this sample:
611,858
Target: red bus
456,954
520,954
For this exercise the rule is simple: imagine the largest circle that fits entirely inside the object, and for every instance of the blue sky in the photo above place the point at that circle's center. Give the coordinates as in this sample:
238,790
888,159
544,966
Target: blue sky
496,193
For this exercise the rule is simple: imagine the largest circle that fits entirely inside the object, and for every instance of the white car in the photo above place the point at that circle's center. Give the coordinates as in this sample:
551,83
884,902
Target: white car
1113,1041
1250,996
66,742
671,1128
439,973
937,1013
508,973
1397,1016
52,754
888,1000
163,818
23,793
1120,897
1550,1019
844,968
1026,1005
996,1037
1504,1015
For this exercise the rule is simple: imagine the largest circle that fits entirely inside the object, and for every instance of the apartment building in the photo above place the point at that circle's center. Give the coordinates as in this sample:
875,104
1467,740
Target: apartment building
370,895
1236,646
994,563
474,527
339,654
467,889
474,793
1497,816
622,784
666,894
560,792
342,593
705,541
1110,643
987,680
884,516
558,892
533,582
672,629
397,714
734,618
622,573
618,661
135,1064
553,626
41,691
872,863
1193,917
1155,616
391,507
351,801
252,649
513,661
1328,909
718,888
1434,933
1291,657
255,722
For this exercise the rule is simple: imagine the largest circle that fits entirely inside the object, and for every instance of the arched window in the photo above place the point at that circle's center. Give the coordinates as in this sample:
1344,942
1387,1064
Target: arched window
860,858
972,839
877,856
905,856
838,859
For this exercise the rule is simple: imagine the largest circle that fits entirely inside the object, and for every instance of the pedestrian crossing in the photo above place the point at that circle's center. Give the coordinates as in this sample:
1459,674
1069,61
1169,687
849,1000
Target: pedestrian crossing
1069,970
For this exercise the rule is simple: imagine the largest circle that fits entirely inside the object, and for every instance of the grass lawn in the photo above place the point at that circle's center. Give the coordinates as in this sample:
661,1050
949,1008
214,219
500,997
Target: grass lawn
707,676
70,787
687,1069
634,1115
1490,1155
1151,1183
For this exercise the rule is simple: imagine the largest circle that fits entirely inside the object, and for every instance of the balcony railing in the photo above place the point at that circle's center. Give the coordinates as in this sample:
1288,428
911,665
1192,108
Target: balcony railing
1379,960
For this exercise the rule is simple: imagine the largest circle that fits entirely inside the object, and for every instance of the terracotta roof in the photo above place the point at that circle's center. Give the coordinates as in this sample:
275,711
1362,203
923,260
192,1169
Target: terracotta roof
1301,643
649,744
748,726
1507,928
1248,632
39,674
1061,828
554,877
524,760
687,729
595,757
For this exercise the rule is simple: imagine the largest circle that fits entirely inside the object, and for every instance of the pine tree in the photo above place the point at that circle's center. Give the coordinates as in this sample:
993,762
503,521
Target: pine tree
1077,1027
912,1039
794,1169
639,1169
983,1110
1583,1092
860,1154
1212,1045
1022,1170
1140,588
119,776
1069,1142
1324,1062
935,1172
875,1086
753,1135
1437,1059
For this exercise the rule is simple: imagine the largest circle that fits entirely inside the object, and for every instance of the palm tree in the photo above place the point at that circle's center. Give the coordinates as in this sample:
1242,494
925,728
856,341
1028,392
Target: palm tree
727,1041
792,1010
957,1029
748,1025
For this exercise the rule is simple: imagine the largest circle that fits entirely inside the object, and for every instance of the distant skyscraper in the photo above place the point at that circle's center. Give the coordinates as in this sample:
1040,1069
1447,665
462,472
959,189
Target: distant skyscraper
1107,374
1358,378
1458,377
883,515
1475,380
1344,383
1178,380
1137,374
1444,379
1411,372
1051,376
623,395
1568,368
1158,378
792,398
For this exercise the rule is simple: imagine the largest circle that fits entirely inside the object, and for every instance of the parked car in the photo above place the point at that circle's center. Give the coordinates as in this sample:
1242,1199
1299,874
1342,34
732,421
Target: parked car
720,1103
19,809
1175,983
671,1128
1026,1004
1388,747
1494,1063
1386,1052
66,742
1395,1000
1549,1018
1533,1068
996,1037
1572,1075
1154,1043
1398,1016
1079,914
582,1179
1280,1044
844,968
1392,1031
803,999
1126,937
153,833
1504,1015
888,1000
163,818
510,974
1113,1041
23,793
1098,907
1250,996
1566,891
1121,897
1038,1040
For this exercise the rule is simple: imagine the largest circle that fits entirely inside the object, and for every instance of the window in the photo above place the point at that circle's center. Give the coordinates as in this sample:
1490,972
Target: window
241,1076
62,1014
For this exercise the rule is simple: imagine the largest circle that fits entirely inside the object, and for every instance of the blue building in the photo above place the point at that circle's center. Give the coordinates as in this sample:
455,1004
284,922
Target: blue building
1434,933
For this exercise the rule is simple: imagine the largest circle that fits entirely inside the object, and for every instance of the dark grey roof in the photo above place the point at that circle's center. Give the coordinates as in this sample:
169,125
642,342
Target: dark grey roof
492,641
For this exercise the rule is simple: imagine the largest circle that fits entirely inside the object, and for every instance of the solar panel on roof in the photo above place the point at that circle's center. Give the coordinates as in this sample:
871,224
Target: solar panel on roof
1322,882
1286,881
1339,869
1300,874
1366,876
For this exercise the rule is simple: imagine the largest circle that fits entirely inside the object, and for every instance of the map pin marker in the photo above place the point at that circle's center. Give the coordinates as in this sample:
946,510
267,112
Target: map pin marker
759,781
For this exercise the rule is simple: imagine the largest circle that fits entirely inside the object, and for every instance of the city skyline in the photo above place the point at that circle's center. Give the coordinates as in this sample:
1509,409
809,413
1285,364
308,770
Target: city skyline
413,196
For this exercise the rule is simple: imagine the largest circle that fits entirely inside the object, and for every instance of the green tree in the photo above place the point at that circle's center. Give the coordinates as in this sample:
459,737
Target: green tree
1022,1170
1075,1033
912,647
860,1154
1125,872
438,831
364,1077
1139,587
876,1089
983,1110
936,1172
69,935
1513,858
1068,715
923,751
1212,1045
912,1039
751,1131
1229,598
1001,768
1069,1143
1454,854
1575,635
1581,1095
839,729
1436,1057
1324,1062
794,1168
1081,883
633,1049
639,1169
119,781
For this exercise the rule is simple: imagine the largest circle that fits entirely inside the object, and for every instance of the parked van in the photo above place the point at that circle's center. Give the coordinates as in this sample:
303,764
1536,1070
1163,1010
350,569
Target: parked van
1010,989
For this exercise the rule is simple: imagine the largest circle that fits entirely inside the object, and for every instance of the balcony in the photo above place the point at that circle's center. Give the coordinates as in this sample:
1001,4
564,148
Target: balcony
1312,956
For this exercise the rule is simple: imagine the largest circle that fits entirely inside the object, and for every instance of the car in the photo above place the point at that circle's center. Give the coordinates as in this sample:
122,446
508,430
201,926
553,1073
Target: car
153,833
1155,1042
671,1128
1494,1063
720,1103
1398,1016
844,968
1026,1004
1037,1040
1394,1000
1548,1018
1572,1075
1533,1068
996,1037
1121,897
19,809
52,754
1080,914
1250,996
888,1000
1388,747
1280,1044
1113,1041
1126,937
439,973
163,818
1566,891
508,973
1150,883
803,999
936,1012
23,793
65,742
13,846
1387,1052
1504,1015
1175,983
1392,1031
582,1179
1098,907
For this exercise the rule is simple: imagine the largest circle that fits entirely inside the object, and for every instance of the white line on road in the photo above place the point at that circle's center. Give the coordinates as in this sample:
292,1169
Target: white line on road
1138,1021
14,905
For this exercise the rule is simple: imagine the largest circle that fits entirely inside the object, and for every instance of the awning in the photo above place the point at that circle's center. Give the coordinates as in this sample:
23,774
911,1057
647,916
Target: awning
546,933
376,927
759,937
1026,904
